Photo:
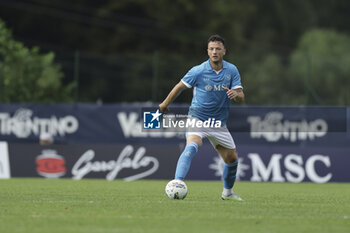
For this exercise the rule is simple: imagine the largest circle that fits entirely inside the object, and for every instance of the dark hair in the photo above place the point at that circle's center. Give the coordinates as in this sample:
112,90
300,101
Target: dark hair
216,38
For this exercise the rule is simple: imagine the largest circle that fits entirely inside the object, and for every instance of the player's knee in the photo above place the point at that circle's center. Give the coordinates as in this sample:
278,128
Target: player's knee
199,142
229,160
194,138
230,157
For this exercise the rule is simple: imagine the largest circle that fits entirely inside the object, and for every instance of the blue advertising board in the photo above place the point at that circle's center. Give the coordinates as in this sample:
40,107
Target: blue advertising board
277,164
123,123
150,161
121,141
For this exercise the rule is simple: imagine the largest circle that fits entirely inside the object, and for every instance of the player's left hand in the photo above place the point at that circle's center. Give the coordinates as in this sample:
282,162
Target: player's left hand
231,94
163,108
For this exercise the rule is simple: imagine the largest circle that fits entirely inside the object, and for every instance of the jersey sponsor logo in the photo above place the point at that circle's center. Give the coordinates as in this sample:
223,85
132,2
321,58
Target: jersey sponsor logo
220,87
216,87
50,164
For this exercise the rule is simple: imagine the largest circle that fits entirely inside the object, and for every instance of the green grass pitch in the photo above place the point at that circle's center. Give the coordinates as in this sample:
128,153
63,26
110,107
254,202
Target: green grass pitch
64,205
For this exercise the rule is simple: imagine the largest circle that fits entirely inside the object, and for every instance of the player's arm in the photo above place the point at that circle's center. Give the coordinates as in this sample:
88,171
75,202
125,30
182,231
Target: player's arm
175,92
236,94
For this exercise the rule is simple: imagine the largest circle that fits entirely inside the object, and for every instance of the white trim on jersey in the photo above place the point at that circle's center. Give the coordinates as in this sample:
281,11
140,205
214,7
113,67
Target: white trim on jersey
186,84
237,87
218,72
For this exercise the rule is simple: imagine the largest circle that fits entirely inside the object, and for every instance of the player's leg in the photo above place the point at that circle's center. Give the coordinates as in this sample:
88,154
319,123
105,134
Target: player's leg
226,148
229,172
193,142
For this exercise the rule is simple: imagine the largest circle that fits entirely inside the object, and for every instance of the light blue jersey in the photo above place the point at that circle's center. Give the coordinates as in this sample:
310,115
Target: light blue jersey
209,96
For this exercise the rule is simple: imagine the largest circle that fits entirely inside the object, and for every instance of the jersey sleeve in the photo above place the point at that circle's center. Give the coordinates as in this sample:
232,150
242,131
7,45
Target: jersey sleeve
190,78
236,80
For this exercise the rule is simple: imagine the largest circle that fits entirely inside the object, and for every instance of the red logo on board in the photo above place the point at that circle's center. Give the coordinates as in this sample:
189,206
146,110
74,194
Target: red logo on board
50,164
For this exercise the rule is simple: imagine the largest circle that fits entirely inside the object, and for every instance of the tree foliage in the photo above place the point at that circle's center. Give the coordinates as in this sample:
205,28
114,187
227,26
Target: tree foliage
279,47
28,76
320,63
316,73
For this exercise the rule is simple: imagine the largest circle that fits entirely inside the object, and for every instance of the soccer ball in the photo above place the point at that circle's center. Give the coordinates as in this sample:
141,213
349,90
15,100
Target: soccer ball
176,189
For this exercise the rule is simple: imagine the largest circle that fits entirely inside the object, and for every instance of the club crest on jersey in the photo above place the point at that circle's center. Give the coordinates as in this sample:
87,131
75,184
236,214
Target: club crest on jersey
227,77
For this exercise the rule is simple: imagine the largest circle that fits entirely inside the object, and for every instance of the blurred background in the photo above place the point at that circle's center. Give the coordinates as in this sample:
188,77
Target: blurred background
288,52
76,76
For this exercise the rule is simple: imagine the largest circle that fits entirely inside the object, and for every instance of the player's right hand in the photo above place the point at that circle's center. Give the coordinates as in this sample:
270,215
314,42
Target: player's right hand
231,94
163,108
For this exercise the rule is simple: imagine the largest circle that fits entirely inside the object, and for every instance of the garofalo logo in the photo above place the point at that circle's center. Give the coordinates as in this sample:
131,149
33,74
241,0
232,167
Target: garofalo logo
128,159
22,124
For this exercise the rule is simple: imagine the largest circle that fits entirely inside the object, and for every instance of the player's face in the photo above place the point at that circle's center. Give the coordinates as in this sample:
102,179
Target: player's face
216,51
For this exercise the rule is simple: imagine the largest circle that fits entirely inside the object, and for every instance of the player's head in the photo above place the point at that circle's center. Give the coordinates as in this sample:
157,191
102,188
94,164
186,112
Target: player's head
216,48
216,38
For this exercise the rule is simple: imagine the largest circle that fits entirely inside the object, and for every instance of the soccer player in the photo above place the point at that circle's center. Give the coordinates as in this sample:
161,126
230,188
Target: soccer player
215,82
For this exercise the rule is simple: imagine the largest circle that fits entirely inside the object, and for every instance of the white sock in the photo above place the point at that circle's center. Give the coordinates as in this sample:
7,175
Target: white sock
227,192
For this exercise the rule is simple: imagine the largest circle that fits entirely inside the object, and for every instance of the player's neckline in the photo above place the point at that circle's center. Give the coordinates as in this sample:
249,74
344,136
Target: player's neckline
218,71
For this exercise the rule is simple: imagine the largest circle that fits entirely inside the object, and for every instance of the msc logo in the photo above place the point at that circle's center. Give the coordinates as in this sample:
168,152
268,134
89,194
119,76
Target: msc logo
218,87
151,120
